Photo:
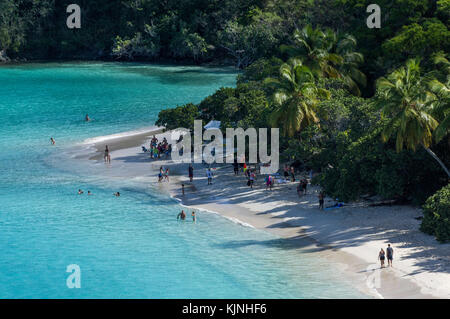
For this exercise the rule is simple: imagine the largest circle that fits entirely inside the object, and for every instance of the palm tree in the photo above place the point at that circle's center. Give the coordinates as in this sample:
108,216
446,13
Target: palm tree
405,100
312,46
441,97
349,71
296,97
329,54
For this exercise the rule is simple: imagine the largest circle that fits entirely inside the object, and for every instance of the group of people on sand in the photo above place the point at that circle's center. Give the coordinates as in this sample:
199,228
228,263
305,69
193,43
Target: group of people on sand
163,174
289,173
389,254
157,148
182,216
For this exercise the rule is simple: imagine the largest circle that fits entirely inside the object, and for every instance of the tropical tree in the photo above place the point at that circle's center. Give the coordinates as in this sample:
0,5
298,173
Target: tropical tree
313,47
441,100
348,70
296,97
329,54
404,98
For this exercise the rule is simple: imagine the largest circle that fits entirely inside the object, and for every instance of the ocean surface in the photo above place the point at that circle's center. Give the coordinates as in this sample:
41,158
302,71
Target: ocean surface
132,246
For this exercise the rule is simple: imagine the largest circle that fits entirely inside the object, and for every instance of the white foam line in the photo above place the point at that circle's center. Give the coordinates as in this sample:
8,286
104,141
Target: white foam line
98,139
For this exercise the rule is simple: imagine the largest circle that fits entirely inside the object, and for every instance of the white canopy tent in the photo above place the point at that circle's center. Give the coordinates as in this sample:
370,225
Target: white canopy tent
212,125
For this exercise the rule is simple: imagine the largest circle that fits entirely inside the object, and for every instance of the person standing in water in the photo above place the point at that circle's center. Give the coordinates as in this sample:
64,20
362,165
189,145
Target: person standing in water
107,156
194,218
390,255
166,175
381,256
87,118
182,189
52,140
181,215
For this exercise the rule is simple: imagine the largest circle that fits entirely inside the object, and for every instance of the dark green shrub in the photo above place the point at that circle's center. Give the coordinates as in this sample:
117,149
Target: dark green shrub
436,220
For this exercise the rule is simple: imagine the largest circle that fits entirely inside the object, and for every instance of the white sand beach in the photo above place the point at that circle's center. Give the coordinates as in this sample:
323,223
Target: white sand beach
350,236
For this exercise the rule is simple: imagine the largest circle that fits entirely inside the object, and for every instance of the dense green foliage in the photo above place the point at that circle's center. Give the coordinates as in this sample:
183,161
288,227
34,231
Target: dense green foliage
436,220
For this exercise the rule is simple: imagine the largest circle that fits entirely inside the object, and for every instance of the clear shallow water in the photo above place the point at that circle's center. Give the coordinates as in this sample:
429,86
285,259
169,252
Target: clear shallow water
132,246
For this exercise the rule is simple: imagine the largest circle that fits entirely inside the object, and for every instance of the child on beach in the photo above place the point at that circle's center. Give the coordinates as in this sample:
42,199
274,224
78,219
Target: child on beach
209,175
166,175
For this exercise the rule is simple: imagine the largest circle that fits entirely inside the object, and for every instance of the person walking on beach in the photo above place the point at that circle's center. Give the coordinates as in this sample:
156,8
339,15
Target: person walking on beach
52,140
292,174
381,256
191,173
286,172
390,255
269,182
251,178
299,190
304,185
107,156
321,197
181,215
209,175
236,168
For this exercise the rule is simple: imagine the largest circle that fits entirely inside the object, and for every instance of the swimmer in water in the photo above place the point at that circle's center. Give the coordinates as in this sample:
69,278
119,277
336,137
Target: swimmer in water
87,118
117,194
52,140
80,192
89,193
181,215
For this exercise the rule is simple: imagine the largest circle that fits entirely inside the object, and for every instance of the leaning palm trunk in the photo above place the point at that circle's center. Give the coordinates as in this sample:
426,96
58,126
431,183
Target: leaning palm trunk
438,160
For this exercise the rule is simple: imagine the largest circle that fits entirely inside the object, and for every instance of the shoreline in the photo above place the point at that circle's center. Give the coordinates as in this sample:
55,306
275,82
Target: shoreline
350,236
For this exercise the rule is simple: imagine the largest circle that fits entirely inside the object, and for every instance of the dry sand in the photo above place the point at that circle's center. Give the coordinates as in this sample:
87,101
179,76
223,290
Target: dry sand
350,236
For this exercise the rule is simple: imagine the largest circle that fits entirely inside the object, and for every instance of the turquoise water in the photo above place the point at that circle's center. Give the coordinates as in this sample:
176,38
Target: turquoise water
132,246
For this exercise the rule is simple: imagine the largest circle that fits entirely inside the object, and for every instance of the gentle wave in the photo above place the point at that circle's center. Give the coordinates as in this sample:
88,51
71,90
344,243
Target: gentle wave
104,138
